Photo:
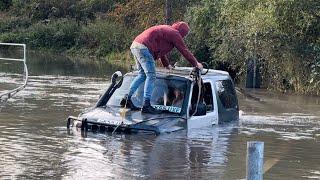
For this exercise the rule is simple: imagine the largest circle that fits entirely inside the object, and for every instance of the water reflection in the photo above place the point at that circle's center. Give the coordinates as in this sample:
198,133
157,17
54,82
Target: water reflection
193,154
53,64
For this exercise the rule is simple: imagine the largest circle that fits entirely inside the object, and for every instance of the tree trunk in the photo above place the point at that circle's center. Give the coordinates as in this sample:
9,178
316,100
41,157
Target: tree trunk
168,11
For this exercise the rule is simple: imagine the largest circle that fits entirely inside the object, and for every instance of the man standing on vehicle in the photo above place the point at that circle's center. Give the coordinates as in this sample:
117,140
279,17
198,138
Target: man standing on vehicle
152,44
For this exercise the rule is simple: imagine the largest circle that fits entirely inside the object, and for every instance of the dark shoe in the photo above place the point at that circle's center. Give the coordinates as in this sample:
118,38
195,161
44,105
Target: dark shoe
126,102
149,109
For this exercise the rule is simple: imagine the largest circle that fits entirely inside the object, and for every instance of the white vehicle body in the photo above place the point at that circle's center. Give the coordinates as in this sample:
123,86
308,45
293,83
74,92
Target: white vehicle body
204,103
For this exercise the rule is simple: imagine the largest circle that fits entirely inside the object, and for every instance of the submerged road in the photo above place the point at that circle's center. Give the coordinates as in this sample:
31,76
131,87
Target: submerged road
34,142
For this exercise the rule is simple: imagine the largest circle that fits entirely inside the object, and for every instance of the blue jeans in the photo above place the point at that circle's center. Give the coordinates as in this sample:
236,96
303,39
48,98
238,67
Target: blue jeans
146,72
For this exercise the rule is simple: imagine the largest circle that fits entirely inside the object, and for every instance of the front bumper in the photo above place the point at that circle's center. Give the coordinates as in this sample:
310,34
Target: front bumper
84,124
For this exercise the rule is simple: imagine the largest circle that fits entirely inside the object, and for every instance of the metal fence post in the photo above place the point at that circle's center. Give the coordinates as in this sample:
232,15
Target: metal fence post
255,160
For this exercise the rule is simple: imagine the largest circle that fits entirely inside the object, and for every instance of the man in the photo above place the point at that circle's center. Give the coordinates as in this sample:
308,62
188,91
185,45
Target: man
152,44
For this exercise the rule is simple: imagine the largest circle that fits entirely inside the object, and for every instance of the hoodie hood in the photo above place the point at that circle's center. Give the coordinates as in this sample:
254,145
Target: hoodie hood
182,27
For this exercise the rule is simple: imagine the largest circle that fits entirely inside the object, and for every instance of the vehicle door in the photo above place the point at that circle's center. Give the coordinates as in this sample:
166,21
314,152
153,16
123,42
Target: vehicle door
210,117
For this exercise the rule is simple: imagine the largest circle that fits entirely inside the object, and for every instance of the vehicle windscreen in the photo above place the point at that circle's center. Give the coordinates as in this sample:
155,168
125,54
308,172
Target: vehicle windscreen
168,94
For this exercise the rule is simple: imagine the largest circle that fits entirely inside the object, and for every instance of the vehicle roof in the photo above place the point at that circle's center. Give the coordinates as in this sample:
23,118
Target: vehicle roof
184,72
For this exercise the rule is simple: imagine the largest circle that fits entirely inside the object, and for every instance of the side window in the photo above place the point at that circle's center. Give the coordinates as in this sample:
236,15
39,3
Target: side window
194,97
227,94
207,97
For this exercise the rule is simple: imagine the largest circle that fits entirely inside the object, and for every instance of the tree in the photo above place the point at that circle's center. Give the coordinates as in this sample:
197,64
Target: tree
283,34
5,4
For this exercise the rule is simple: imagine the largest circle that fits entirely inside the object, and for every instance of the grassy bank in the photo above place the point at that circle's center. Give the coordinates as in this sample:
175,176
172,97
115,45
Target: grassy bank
100,39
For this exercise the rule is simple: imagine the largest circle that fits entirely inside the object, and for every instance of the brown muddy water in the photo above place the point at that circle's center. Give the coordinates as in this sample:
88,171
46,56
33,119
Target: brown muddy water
35,143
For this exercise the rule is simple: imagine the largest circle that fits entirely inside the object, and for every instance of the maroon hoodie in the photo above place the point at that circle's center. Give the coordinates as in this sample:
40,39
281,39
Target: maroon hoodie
161,39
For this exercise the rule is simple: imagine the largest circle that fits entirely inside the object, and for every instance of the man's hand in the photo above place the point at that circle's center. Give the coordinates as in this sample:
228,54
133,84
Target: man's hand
200,66
169,67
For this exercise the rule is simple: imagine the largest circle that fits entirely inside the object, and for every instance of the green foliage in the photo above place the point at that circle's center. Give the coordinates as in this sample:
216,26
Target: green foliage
59,35
283,35
105,37
141,14
5,4
51,9
102,37
12,37
14,24
102,6
203,20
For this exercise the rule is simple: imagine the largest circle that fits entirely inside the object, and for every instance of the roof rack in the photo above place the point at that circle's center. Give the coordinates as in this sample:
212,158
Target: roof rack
10,93
185,72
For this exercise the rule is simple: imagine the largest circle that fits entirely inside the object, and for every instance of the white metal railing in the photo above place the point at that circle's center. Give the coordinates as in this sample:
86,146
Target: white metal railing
14,91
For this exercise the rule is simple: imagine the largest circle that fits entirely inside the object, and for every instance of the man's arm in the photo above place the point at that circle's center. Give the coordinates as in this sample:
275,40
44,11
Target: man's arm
164,61
180,45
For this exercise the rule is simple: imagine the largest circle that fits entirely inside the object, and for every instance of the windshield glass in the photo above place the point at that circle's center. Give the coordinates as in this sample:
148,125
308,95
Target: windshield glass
168,94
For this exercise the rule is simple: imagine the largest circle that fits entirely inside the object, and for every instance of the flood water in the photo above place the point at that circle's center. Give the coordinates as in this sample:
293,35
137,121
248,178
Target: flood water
35,143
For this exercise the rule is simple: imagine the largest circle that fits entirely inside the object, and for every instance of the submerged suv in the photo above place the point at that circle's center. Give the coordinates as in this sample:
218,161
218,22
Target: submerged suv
185,103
